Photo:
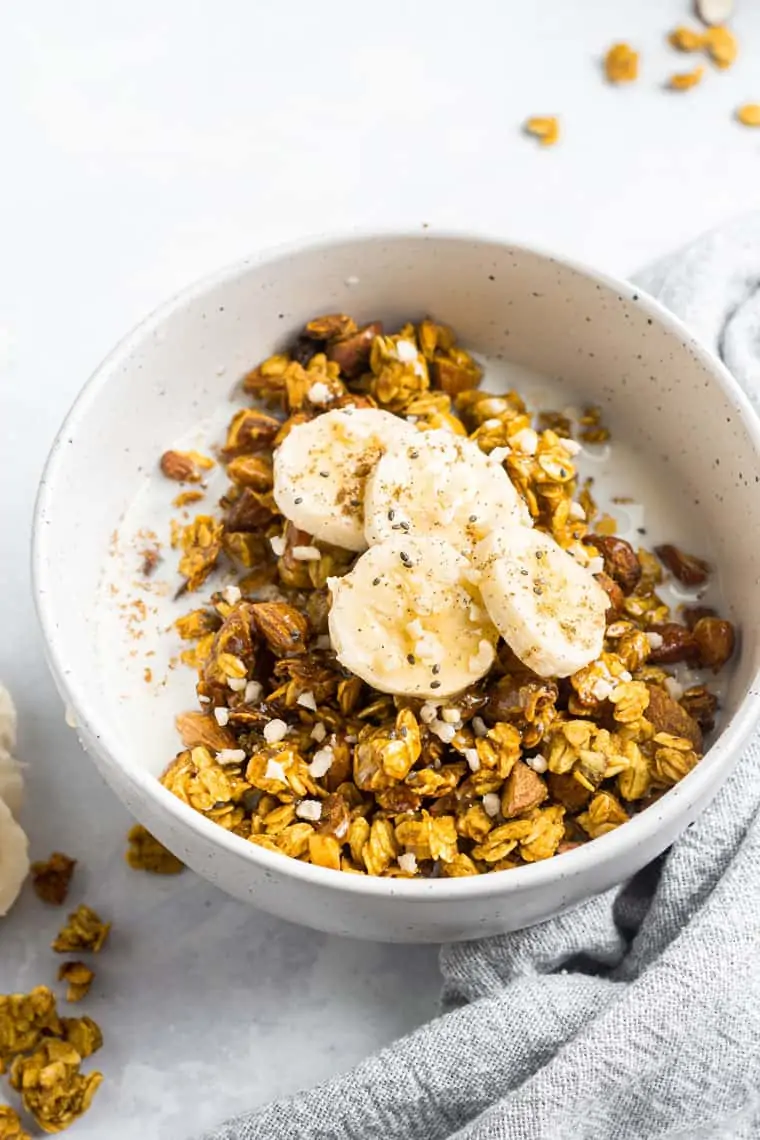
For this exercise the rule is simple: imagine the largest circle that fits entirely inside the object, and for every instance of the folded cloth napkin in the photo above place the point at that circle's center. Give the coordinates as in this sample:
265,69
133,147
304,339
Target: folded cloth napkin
635,1016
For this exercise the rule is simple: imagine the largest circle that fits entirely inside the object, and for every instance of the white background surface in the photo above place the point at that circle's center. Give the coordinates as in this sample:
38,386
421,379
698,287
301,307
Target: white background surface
148,143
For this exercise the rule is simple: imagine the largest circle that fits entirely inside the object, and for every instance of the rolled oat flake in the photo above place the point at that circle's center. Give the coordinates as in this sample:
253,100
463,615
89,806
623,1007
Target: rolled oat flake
714,12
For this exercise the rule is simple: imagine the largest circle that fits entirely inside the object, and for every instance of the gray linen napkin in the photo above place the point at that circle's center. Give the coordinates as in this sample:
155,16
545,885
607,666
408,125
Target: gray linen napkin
636,1016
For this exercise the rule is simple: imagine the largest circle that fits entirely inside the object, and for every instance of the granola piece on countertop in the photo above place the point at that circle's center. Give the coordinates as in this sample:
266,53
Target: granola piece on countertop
78,977
51,879
85,930
145,853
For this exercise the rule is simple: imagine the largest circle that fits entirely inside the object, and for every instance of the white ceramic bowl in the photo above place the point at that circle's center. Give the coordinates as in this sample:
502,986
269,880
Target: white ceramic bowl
673,403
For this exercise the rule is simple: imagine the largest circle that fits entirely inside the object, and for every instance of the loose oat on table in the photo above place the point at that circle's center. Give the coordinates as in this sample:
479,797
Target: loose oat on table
51,879
545,128
621,64
84,930
78,977
749,114
291,752
684,80
145,853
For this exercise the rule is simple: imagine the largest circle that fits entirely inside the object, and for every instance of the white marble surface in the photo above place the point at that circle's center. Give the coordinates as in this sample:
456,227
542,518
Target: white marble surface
145,144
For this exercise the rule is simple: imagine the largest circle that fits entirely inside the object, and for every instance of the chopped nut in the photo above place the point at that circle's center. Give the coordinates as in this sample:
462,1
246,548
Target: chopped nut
684,80
687,568
145,853
523,791
351,351
285,630
666,715
678,644
78,977
701,705
197,728
620,561
543,127
249,431
748,114
51,879
715,640
84,930
184,466
621,64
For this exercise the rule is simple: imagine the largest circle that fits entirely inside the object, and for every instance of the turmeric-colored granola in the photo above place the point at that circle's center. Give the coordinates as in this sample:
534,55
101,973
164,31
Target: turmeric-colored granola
292,752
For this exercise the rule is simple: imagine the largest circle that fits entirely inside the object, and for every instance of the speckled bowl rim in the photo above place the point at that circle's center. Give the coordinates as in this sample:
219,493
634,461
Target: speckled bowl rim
642,828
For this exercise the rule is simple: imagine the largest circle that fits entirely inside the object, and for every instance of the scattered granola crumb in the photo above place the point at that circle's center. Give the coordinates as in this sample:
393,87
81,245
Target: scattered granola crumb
545,128
621,64
51,879
686,39
722,46
85,930
147,675
749,114
684,80
185,498
145,853
150,560
78,977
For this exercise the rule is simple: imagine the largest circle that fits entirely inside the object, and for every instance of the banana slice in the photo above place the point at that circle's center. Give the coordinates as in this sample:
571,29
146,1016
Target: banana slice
548,608
442,485
11,781
7,720
408,620
321,467
14,859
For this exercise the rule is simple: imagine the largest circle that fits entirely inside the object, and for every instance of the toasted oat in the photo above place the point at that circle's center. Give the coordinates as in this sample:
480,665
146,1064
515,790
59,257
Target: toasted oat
78,977
748,114
24,1019
545,128
686,39
621,64
684,80
84,930
51,879
145,853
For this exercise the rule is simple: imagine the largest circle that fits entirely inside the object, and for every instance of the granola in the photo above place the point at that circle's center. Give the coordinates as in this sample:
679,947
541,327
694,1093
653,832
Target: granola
145,853
78,977
52,878
10,1125
292,752
84,930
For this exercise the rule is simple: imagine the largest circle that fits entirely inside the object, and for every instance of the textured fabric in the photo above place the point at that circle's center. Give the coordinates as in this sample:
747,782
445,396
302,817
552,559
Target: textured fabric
635,1016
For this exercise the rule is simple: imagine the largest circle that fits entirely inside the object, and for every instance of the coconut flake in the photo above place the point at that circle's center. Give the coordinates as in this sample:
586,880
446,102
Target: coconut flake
571,446
275,730
309,809
231,595
321,762
675,688
595,565
306,553
526,440
428,712
444,732
406,351
319,732
231,755
491,804
408,862
237,684
577,512
307,701
253,691
537,763
278,544
319,393
222,715
499,454
451,716
472,758
655,639
275,771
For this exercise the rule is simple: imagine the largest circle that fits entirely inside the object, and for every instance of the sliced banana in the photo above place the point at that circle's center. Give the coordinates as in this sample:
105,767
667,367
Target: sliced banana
407,619
442,485
7,720
11,781
321,467
14,859
548,608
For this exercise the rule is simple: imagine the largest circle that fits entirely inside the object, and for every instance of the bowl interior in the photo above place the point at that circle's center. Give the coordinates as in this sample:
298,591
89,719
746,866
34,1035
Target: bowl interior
173,382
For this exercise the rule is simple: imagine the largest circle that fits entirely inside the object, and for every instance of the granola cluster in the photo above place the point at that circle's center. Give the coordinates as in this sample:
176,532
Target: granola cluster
42,1053
293,753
